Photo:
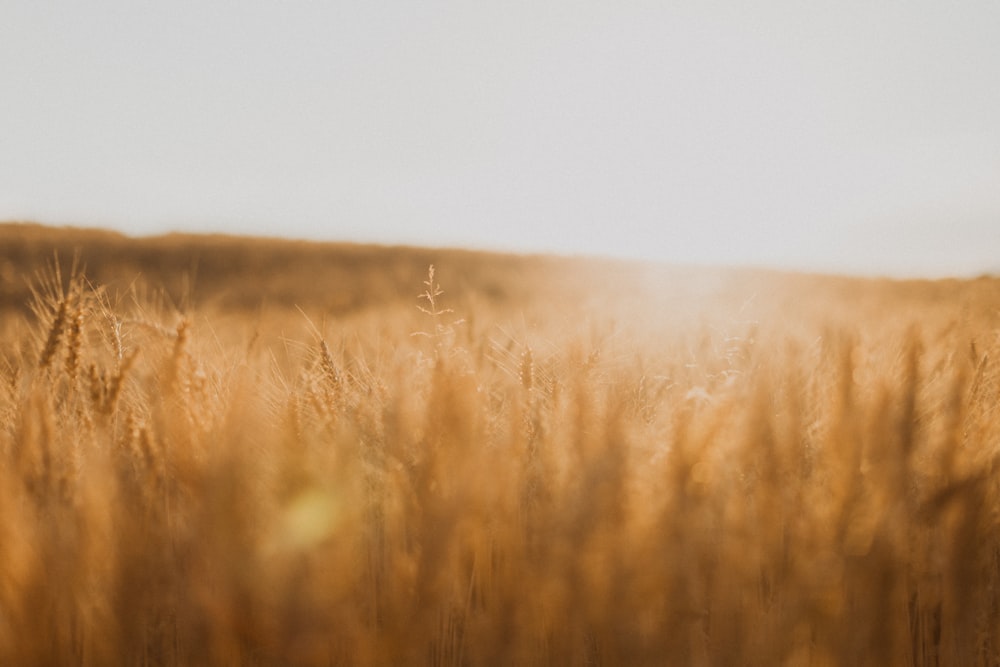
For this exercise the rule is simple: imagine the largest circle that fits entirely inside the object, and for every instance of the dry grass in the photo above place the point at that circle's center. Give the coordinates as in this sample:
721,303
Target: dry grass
584,463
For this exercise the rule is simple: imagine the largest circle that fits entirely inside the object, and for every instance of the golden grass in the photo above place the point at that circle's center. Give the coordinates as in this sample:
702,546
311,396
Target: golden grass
584,463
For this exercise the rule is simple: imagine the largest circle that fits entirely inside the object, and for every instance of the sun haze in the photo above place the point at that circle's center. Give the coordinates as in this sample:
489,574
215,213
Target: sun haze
835,136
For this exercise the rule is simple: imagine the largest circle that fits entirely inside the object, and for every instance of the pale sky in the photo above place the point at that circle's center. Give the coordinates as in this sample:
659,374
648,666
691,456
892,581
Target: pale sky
825,135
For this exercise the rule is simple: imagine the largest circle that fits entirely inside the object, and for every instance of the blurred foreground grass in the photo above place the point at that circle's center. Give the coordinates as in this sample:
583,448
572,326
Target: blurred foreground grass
245,452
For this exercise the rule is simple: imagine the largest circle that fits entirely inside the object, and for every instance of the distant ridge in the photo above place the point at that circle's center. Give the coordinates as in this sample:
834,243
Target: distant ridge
253,271
240,272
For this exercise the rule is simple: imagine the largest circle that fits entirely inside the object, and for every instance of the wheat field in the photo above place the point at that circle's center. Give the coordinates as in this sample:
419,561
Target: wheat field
247,452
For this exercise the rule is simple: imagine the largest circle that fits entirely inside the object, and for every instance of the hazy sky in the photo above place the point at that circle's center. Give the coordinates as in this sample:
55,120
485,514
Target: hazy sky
840,135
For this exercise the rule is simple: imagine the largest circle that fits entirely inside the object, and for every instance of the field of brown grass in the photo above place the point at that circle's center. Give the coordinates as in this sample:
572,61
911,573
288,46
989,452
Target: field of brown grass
220,451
